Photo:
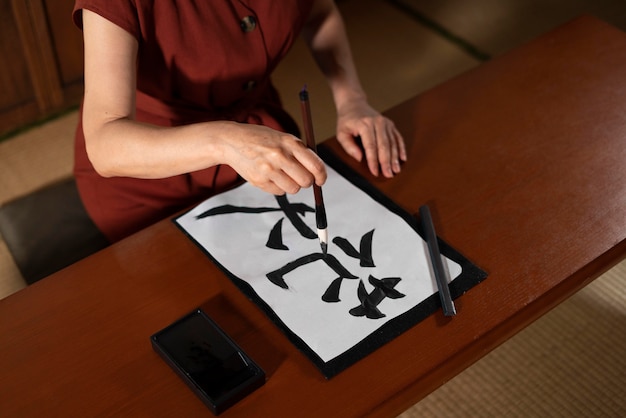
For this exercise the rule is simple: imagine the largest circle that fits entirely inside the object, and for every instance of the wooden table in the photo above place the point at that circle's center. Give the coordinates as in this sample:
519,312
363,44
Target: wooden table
523,162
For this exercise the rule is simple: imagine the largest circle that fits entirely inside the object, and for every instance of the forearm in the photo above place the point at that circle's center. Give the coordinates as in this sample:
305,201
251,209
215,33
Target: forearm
381,143
326,37
124,147
271,160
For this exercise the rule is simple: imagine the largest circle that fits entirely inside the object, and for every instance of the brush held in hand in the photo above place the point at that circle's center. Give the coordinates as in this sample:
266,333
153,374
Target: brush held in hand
320,210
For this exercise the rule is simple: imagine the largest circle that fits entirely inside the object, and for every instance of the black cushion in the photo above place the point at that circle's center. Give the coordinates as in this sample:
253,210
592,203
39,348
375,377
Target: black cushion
48,230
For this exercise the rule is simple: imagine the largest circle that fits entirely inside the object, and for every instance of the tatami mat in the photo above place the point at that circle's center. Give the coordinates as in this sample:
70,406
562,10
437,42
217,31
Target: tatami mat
496,26
29,161
570,363
37,157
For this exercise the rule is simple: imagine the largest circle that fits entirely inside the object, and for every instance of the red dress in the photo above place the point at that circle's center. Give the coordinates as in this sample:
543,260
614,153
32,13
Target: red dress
197,61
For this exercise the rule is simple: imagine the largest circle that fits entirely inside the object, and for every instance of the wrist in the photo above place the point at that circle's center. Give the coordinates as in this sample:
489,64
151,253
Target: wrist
348,99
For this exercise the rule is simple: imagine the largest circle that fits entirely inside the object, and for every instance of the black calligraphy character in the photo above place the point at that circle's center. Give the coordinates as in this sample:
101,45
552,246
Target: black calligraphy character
365,255
278,276
275,239
332,292
293,212
383,288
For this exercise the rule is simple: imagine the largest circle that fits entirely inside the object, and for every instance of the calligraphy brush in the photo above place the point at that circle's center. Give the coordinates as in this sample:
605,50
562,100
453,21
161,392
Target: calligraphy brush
320,209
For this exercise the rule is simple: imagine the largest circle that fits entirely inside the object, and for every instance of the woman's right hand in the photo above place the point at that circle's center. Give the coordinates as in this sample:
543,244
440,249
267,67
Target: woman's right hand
273,161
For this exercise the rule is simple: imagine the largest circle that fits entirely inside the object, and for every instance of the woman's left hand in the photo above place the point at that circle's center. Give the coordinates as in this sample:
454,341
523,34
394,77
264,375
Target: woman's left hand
383,145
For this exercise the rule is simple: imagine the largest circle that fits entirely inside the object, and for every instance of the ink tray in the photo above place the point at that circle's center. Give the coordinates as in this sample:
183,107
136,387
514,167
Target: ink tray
209,362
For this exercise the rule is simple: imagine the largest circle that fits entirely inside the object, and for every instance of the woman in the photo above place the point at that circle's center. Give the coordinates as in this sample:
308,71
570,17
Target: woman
179,105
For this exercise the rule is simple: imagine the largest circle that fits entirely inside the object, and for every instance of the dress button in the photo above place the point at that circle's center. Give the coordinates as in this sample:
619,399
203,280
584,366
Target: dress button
249,85
248,23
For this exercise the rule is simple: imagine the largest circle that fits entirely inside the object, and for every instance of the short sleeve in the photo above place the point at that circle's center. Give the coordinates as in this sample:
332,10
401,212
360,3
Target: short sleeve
123,13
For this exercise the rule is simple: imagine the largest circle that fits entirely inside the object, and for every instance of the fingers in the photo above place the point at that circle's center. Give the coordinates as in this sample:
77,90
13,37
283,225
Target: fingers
383,145
278,182
398,148
296,174
350,145
287,169
394,159
273,180
313,165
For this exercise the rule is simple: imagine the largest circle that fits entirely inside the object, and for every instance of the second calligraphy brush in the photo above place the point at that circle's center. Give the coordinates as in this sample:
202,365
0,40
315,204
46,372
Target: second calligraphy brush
320,209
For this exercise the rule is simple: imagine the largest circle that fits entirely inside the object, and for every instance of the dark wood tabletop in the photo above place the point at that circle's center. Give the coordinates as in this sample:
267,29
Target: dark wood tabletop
522,162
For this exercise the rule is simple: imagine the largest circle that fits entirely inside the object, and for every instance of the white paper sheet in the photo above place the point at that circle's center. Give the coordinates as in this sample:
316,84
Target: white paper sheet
237,240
